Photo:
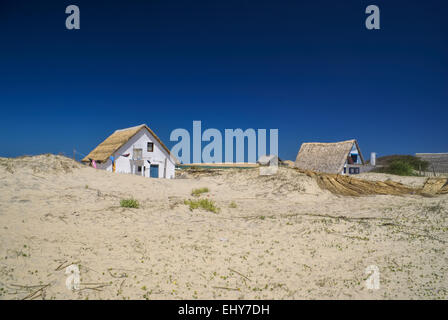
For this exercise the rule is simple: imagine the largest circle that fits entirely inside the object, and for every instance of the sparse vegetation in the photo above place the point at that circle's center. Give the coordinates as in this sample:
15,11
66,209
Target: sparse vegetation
232,205
129,203
402,165
205,204
283,230
400,168
199,191
436,208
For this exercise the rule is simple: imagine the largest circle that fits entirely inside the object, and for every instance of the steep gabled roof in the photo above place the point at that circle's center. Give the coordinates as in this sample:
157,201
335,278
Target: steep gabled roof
116,140
325,157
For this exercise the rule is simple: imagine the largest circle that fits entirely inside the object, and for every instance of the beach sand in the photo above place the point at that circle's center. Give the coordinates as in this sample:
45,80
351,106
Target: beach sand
275,237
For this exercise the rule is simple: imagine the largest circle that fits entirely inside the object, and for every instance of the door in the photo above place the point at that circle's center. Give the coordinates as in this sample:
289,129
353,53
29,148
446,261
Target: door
154,171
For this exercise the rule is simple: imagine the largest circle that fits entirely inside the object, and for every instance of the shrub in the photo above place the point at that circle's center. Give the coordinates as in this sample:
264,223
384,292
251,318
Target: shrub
403,165
401,168
129,203
205,204
232,204
415,162
198,192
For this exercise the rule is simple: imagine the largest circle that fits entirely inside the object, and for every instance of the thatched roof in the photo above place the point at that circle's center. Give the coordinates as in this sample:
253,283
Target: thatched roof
116,140
325,157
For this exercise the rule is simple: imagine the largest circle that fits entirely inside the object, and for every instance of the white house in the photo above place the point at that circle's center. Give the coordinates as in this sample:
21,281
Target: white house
136,150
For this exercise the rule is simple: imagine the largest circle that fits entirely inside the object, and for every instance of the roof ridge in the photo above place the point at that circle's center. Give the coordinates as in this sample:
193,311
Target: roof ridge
131,128
350,140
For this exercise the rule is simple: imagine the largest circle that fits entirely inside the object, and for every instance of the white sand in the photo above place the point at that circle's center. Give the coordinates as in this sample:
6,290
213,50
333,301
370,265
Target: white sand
276,244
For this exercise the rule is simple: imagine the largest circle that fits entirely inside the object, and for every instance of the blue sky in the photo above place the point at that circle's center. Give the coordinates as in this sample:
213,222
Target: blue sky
309,68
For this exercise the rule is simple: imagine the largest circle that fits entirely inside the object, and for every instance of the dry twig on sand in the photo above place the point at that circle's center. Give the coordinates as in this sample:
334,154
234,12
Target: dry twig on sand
33,295
97,288
226,288
63,265
239,273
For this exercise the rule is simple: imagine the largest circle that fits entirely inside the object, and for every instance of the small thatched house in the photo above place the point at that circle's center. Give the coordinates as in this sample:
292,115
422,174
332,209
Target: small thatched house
136,150
339,157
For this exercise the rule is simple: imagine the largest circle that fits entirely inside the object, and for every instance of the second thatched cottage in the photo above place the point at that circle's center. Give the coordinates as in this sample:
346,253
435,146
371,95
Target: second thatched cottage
343,157
136,150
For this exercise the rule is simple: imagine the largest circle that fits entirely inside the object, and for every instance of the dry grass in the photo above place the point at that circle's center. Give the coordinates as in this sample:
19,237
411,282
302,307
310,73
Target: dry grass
206,204
199,191
232,205
129,203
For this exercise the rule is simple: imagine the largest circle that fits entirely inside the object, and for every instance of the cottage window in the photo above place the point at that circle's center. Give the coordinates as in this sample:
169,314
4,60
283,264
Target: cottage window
150,147
354,170
137,154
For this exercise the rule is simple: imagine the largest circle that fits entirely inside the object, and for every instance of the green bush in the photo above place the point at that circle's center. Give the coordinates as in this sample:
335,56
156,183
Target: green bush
129,203
415,162
205,204
198,192
401,168
403,165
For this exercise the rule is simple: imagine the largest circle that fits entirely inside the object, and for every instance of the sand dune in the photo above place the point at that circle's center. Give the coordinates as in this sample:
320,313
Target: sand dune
275,237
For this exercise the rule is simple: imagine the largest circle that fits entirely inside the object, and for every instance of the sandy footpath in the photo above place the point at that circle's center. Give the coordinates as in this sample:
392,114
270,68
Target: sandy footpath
285,239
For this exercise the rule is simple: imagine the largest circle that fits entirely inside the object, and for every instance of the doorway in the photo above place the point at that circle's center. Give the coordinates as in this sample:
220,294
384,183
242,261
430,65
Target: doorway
154,171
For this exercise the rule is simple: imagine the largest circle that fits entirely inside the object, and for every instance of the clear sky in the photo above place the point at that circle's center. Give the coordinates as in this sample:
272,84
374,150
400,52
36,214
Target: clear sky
309,68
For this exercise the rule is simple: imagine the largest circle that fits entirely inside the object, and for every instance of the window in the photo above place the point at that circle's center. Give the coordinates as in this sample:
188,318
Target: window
354,158
139,169
137,154
150,147
353,170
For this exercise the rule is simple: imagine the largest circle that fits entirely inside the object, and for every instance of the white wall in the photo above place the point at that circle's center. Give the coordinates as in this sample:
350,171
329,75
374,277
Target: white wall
358,159
139,141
